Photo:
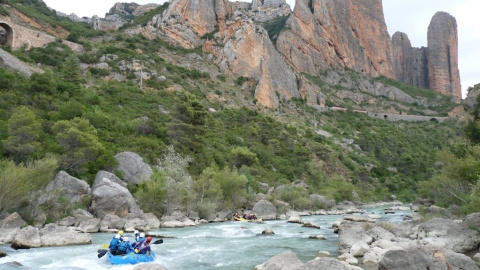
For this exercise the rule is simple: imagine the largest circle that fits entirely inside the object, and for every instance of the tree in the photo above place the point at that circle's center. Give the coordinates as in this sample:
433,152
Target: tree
152,194
233,187
187,126
23,135
43,82
17,182
208,192
80,144
240,156
178,181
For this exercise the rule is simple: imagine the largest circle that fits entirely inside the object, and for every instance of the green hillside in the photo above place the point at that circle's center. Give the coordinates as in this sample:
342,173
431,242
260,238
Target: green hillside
76,116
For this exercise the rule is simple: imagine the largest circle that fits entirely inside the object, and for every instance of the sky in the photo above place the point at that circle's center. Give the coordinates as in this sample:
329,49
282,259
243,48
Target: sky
409,16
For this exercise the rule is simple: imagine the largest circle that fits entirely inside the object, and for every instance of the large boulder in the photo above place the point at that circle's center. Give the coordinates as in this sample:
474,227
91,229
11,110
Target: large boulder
111,221
111,198
136,224
327,263
91,225
426,258
472,221
348,236
176,220
446,233
10,226
72,188
152,221
12,221
285,261
134,169
265,210
112,177
53,236
27,238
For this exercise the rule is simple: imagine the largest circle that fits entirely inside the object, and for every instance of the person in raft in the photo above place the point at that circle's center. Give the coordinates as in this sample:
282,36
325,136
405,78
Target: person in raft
124,247
144,248
137,236
235,217
114,244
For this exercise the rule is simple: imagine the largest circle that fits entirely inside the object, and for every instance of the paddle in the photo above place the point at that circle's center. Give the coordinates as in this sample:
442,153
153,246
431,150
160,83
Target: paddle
102,252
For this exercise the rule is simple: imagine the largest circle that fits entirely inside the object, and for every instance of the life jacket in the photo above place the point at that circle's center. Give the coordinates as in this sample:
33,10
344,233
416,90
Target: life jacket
113,244
123,246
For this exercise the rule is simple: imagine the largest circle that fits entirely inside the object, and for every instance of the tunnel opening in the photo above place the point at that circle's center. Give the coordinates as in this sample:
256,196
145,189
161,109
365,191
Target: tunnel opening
6,34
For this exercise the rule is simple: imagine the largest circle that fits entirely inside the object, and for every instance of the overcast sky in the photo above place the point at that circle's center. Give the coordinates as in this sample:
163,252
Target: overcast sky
409,16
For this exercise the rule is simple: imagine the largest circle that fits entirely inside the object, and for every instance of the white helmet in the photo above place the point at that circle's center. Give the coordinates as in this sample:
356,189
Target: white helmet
142,234
125,239
135,232
117,236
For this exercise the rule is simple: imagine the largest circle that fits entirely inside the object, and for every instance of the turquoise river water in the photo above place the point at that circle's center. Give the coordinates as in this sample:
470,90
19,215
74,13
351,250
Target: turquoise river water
221,246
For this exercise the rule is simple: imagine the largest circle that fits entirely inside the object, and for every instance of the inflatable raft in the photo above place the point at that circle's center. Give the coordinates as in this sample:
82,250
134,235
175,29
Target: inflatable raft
130,258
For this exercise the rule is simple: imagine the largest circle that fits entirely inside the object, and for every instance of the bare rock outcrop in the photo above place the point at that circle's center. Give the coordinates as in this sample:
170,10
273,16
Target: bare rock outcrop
135,170
72,188
444,75
185,22
248,52
330,33
411,64
111,198
424,258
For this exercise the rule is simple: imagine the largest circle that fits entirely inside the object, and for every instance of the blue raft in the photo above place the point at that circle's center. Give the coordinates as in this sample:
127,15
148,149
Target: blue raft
130,258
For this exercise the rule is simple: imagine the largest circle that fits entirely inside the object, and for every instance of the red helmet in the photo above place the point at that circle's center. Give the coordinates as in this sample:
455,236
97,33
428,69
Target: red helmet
149,239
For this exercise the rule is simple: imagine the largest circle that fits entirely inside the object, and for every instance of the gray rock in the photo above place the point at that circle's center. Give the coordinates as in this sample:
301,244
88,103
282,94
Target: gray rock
111,221
472,221
135,170
359,249
425,258
268,231
110,176
91,225
40,220
67,221
265,210
445,233
27,238
285,261
152,221
348,236
12,221
2,254
54,236
327,263
72,188
309,224
149,266
379,233
136,224
112,198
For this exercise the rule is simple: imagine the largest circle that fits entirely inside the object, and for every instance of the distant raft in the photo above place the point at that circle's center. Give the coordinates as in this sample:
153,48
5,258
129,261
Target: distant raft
247,220
130,258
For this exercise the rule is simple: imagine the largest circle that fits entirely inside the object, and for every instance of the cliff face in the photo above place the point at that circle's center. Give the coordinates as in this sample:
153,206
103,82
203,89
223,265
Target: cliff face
444,75
248,52
185,21
338,33
319,34
410,64
435,67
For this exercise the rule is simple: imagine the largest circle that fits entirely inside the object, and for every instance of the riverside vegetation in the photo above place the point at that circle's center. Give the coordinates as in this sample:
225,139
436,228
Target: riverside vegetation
196,123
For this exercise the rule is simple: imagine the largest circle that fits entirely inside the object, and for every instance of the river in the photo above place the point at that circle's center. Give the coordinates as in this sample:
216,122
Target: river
222,246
